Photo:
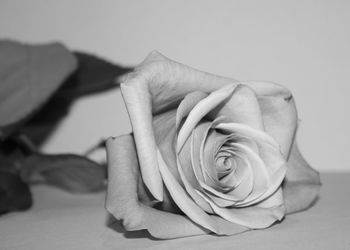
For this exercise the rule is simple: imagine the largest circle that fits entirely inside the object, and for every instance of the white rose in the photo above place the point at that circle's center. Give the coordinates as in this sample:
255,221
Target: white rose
208,154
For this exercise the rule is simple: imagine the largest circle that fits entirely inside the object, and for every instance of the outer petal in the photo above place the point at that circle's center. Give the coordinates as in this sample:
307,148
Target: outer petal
141,121
168,82
124,203
302,183
156,85
276,199
165,136
279,112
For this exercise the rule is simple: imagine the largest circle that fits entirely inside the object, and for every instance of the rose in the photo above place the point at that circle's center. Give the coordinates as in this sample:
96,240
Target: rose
208,154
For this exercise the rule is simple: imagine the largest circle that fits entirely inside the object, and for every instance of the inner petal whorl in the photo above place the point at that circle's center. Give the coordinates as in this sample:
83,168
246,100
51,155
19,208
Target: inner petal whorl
222,159
227,158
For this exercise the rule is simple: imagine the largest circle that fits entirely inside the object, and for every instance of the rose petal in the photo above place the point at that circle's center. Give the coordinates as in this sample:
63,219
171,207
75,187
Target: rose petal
252,217
140,113
205,175
268,149
168,82
188,176
185,161
276,180
276,199
230,198
238,176
191,209
242,107
302,183
165,136
278,111
200,110
187,104
277,171
199,132
211,144
261,180
248,132
214,144
208,183
239,193
122,196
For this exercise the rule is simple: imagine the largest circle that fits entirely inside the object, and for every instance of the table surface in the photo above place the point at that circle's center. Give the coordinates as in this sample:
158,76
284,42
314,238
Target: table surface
59,220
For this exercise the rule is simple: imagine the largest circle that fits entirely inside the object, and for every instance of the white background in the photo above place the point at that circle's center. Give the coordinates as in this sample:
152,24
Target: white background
304,45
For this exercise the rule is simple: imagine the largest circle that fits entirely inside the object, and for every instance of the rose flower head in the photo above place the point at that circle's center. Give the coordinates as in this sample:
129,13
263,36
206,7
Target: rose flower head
208,154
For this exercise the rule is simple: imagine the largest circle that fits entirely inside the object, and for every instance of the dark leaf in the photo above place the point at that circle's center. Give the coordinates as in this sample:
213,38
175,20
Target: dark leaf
14,193
29,75
93,75
74,173
12,152
46,120
100,145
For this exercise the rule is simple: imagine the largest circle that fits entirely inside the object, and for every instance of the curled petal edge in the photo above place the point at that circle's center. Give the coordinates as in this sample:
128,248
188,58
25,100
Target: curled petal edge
123,199
302,183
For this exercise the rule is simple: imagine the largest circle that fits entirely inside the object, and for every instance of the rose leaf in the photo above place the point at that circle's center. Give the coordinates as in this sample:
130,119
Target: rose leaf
93,75
74,173
41,125
14,193
29,75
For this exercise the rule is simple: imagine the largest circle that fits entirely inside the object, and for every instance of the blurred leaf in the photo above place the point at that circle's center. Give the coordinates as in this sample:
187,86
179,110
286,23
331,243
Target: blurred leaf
100,145
29,75
41,125
12,152
73,173
93,75
14,193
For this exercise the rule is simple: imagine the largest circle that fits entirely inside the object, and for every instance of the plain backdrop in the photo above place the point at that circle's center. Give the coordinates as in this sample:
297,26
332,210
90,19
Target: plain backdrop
304,45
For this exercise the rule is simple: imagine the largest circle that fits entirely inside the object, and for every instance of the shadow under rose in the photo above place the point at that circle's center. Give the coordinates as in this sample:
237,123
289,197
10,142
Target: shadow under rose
117,226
